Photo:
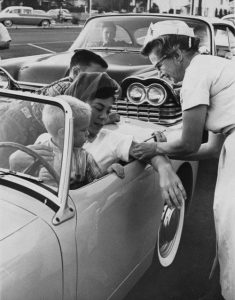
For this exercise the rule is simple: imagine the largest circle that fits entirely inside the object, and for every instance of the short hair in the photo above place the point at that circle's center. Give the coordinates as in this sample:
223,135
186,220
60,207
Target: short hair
53,116
85,57
166,44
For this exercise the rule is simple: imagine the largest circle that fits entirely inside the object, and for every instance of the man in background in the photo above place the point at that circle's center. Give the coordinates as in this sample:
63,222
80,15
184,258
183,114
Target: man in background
5,38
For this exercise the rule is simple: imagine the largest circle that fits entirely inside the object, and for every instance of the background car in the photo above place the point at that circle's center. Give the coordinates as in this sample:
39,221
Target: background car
230,17
93,242
159,104
60,14
39,11
24,15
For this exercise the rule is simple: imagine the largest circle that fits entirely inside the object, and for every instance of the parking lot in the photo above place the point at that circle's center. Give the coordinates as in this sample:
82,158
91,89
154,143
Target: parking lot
187,278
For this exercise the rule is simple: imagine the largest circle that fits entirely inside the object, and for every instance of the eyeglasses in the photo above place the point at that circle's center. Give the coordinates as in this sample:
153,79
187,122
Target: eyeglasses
161,60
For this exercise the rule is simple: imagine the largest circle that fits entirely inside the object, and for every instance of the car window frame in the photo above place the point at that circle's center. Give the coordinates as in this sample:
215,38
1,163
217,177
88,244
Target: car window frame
65,212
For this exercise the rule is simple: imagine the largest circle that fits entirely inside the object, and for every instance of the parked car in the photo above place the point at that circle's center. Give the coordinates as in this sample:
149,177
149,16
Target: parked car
126,64
24,15
60,14
93,242
230,17
39,11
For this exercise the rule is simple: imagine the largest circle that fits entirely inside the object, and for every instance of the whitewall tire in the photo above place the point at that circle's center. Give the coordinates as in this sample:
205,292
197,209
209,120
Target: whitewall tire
169,234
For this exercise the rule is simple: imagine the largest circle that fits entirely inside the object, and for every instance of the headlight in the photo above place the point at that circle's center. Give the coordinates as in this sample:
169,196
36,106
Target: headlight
136,93
4,80
154,94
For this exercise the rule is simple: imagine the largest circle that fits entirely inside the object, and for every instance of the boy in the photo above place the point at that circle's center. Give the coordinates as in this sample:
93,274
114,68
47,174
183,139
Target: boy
83,60
84,168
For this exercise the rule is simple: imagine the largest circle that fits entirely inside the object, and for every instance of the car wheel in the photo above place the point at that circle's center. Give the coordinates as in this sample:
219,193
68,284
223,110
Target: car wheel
169,234
7,23
172,221
45,23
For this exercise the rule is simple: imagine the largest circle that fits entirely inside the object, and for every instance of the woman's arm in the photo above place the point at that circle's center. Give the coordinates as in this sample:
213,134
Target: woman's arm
172,190
190,141
211,149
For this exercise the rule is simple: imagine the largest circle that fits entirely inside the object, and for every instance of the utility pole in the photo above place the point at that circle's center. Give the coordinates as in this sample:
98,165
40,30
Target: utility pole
200,7
148,5
192,7
89,5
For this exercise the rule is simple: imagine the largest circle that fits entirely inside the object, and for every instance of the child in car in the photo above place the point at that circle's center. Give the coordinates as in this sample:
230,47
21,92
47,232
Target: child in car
84,168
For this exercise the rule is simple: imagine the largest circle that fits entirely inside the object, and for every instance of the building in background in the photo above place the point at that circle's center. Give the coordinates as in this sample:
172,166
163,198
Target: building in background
207,8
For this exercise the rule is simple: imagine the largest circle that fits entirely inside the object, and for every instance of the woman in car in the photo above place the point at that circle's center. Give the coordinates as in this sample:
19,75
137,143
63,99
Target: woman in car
108,147
208,101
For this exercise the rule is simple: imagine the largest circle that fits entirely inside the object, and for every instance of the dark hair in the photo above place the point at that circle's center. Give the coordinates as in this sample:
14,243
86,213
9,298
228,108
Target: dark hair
91,85
85,57
166,44
105,92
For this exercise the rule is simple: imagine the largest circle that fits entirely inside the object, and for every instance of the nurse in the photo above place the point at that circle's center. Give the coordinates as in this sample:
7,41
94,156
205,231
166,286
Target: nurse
208,102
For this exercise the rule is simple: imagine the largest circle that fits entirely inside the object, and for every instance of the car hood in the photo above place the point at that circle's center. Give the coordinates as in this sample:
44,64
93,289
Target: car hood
47,68
13,218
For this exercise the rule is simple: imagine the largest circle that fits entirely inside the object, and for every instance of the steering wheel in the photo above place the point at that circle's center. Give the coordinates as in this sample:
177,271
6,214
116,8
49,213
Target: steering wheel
39,160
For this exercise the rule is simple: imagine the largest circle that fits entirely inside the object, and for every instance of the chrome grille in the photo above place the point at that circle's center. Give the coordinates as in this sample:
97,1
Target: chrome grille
167,114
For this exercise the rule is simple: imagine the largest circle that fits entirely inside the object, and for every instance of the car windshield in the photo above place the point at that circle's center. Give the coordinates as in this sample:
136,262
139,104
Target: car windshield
31,140
129,32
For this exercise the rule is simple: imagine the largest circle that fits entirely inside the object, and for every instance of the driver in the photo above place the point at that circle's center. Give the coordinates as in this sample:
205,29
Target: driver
109,30
108,34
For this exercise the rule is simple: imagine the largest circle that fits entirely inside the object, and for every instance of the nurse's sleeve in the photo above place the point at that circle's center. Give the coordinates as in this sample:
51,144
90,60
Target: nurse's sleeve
196,87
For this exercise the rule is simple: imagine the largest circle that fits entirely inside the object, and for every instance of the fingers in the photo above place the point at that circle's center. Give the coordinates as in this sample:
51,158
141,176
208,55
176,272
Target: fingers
118,169
44,151
144,150
166,198
174,196
182,189
113,118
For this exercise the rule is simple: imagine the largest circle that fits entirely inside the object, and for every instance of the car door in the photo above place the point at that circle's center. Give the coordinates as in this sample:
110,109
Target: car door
117,224
14,15
27,17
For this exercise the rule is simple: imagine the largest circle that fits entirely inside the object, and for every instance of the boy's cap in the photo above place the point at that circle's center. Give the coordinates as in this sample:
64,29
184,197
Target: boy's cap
174,27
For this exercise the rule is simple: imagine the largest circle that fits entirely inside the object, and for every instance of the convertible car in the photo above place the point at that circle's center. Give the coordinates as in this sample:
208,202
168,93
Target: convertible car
145,95
93,242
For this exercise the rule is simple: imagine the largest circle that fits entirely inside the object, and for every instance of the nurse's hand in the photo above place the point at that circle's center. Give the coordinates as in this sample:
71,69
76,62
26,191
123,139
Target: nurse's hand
144,151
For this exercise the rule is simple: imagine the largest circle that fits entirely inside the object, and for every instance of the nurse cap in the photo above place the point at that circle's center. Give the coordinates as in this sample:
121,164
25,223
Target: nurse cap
172,27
